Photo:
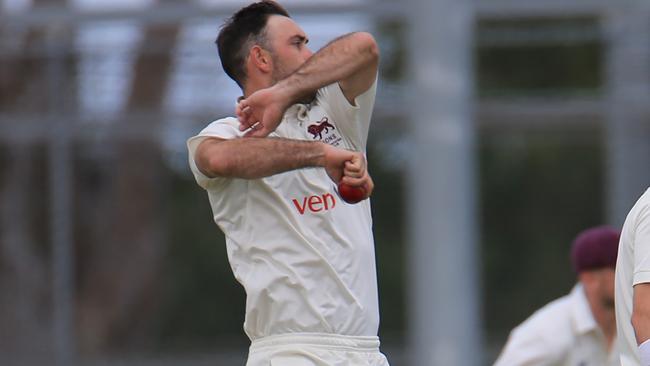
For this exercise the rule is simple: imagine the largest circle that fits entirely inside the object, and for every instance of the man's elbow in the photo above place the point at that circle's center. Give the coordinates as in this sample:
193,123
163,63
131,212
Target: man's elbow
220,167
368,45
213,165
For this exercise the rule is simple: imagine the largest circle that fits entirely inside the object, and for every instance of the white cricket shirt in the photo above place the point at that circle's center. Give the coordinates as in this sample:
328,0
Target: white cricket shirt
632,268
304,256
564,332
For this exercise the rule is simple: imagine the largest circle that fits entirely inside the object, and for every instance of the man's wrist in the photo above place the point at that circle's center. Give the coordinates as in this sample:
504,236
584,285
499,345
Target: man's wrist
644,353
321,153
285,93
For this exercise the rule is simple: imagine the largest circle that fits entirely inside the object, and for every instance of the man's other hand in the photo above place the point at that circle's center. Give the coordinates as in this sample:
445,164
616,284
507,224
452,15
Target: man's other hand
262,111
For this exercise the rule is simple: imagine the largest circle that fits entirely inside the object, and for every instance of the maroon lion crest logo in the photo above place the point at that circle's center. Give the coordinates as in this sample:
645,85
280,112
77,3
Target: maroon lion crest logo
321,126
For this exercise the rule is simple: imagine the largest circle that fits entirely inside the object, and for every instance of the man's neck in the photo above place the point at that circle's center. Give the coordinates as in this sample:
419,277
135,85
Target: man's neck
251,86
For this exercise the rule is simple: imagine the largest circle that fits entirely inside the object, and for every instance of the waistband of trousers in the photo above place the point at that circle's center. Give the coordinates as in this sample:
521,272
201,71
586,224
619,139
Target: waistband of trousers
324,340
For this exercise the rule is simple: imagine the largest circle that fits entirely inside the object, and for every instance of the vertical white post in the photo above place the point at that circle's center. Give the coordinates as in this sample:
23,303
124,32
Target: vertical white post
627,131
445,326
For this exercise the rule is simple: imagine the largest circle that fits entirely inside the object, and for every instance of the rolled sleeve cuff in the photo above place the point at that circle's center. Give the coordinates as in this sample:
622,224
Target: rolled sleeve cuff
641,277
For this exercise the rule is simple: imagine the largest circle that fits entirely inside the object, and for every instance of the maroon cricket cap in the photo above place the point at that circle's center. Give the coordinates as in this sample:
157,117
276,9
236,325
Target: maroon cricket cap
595,248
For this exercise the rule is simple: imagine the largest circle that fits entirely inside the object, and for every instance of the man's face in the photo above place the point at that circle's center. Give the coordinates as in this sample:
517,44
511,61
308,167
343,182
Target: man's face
288,43
600,283
607,280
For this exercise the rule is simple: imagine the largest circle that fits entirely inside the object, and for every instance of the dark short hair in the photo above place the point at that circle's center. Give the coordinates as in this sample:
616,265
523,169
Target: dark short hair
245,28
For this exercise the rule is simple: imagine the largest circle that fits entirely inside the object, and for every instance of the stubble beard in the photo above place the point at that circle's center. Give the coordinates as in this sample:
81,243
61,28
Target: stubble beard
280,73
607,302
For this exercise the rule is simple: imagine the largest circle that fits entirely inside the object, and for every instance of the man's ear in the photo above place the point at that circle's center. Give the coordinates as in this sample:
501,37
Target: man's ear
261,59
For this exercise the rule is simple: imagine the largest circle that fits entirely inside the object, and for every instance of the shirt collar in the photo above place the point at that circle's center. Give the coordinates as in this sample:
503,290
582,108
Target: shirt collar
298,111
583,319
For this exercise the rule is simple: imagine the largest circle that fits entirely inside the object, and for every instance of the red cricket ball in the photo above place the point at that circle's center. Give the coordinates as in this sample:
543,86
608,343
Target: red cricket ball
351,194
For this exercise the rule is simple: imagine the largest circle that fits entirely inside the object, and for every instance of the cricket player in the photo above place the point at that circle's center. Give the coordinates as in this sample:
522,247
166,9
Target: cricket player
578,329
633,286
304,256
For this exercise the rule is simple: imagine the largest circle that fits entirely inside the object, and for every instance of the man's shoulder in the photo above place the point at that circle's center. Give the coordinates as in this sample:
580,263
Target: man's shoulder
227,127
639,212
225,121
645,198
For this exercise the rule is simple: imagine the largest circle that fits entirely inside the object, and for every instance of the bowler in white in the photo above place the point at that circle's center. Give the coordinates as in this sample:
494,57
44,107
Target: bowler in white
304,256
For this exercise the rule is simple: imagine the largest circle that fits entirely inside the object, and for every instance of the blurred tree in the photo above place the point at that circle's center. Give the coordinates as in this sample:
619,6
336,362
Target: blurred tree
24,277
538,190
120,270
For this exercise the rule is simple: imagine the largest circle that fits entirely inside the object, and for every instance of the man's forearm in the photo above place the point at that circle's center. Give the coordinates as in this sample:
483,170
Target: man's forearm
641,312
257,157
339,60
641,328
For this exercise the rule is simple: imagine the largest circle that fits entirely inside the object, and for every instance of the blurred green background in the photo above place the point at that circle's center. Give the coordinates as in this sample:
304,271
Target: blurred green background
150,277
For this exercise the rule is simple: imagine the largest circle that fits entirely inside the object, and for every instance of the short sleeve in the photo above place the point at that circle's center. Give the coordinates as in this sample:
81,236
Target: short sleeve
642,241
226,128
352,119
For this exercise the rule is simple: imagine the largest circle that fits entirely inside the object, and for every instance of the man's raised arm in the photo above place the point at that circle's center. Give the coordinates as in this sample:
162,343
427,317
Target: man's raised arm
351,60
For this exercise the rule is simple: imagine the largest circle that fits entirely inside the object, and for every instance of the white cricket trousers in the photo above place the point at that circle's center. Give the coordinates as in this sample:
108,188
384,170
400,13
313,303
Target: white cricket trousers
315,349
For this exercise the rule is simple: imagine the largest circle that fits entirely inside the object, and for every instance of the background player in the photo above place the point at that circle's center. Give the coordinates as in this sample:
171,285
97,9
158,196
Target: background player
579,328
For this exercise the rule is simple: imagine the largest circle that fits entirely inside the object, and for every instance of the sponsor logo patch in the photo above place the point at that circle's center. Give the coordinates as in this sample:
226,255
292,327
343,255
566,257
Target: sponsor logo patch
325,132
315,203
